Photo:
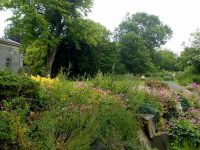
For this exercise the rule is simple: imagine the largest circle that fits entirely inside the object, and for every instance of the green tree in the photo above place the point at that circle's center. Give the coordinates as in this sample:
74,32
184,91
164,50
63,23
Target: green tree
150,32
109,58
166,60
35,57
81,58
134,54
149,27
47,22
191,57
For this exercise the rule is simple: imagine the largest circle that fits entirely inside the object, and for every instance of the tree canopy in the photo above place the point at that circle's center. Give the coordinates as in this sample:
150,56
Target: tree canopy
56,34
191,57
149,27
191,54
134,54
140,35
166,60
48,22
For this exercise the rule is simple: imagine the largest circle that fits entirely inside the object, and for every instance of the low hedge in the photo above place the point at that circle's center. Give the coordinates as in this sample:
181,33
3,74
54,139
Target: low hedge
13,85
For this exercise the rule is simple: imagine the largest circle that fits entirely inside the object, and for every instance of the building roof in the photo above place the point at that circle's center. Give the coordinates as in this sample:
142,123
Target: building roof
9,42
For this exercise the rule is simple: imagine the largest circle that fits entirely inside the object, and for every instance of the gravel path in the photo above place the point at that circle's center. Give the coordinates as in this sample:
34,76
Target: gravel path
174,86
177,88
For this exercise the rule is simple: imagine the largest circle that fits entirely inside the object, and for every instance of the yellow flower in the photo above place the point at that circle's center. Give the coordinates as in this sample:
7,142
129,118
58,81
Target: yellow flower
47,83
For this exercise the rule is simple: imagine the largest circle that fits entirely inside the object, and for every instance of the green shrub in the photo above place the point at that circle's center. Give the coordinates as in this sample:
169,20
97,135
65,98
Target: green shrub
184,103
162,75
24,70
188,76
148,74
150,105
85,112
185,133
21,103
12,85
77,125
196,78
116,83
6,134
168,78
156,84
148,109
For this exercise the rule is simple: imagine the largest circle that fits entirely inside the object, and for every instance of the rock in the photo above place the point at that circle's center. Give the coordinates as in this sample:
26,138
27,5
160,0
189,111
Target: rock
149,125
142,77
160,141
144,139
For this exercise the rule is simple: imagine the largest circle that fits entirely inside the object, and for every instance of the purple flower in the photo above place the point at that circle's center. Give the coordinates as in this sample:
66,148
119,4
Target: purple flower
195,85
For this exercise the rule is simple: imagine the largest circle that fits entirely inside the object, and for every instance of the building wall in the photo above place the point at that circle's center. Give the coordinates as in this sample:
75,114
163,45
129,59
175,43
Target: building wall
12,52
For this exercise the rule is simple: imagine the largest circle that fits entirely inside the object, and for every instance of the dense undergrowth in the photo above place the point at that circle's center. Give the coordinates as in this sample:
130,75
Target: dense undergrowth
44,113
188,76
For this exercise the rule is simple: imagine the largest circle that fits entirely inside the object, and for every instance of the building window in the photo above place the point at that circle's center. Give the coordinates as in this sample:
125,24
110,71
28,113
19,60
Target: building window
8,63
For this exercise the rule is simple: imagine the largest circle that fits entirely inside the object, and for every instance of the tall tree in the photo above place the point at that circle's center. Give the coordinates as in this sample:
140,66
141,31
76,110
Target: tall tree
149,27
46,22
76,54
134,54
149,32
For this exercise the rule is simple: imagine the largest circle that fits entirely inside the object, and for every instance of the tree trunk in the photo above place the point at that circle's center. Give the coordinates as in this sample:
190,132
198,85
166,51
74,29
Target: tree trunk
50,59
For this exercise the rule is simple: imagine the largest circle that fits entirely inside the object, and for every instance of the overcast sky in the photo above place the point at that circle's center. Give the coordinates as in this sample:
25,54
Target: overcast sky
183,16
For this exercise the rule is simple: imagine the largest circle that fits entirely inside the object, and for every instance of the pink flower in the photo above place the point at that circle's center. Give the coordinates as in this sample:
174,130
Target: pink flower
195,85
81,85
101,91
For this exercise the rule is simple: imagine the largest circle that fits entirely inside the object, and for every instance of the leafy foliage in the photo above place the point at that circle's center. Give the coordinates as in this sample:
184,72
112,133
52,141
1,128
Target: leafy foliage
66,114
190,57
139,35
148,27
134,55
185,132
6,134
184,103
166,60
53,21
110,59
12,86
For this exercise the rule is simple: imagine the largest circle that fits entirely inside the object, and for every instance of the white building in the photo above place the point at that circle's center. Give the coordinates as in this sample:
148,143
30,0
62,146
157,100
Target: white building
10,57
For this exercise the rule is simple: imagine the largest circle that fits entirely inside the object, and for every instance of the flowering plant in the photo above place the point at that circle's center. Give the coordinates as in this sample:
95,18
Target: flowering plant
46,83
